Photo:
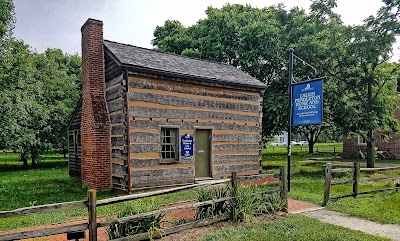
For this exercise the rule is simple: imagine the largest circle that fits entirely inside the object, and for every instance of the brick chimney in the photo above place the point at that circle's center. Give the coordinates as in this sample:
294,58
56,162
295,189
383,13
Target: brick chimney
95,122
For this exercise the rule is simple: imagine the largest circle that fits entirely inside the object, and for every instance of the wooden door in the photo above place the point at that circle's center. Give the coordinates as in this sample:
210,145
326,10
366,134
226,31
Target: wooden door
202,153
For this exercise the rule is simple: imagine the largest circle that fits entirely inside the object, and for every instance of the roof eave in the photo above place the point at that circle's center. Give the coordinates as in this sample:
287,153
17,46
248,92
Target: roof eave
194,79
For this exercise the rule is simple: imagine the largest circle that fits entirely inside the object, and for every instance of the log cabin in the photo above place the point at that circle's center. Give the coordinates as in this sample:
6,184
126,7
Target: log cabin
149,119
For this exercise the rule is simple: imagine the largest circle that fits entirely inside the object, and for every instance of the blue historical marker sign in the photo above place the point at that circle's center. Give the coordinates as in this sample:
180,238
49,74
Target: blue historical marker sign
186,145
308,103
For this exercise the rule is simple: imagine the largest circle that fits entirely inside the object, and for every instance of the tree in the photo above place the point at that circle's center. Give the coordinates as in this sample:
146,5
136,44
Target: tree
256,41
364,83
61,76
18,93
7,18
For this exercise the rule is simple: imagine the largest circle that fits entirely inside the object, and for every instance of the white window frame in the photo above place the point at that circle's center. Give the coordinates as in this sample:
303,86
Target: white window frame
169,146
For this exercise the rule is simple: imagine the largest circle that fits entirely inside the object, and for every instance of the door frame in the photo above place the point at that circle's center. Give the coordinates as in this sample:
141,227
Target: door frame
211,129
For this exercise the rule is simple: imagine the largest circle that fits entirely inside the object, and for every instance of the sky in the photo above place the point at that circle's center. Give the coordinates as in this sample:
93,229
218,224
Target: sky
46,24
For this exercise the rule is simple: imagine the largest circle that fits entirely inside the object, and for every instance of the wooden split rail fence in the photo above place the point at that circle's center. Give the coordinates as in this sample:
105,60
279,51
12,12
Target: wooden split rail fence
355,181
92,203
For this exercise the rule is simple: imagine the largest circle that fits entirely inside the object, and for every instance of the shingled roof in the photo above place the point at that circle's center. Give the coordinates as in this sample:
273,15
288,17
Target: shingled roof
132,56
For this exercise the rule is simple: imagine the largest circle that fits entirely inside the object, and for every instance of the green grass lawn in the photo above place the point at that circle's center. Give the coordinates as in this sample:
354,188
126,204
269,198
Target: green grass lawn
295,227
307,183
318,147
50,183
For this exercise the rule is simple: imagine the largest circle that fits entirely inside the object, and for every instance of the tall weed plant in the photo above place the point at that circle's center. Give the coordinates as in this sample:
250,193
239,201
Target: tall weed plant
249,203
148,224
213,193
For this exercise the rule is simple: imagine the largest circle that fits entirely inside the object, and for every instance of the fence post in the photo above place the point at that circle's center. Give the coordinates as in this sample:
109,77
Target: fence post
327,187
284,187
356,178
334,149
234,196
92,215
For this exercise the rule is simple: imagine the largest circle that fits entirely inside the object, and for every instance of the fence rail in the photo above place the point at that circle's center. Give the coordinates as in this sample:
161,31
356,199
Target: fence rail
92,203
355,181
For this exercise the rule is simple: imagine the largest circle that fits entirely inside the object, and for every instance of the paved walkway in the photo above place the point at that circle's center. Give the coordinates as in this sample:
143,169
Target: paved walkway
384,230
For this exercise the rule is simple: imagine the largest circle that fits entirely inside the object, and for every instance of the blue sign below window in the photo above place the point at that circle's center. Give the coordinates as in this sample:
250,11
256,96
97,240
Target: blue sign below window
186,145
308,103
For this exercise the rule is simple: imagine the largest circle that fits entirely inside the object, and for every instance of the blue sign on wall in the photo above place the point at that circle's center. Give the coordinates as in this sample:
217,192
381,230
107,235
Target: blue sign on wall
187,145
308,103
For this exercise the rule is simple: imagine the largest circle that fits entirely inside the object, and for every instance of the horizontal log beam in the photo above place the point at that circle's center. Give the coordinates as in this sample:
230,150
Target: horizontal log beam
342,170
198,102
155,124
250,147
154,193
380,179
379,169
161,211
236,158
44,208
257,176
173,86
43,232
175,229
142,111
342,182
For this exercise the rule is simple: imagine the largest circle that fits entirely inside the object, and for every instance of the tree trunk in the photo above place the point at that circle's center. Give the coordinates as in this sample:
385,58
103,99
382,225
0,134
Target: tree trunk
311,141
370,150
310,147
34,157
370,136
64,149
24,159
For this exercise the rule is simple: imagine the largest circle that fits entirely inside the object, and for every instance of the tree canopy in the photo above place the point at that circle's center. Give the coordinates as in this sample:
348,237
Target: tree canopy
38,93
359,85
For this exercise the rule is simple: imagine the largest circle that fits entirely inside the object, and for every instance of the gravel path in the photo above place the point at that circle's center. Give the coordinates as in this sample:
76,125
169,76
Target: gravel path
385,230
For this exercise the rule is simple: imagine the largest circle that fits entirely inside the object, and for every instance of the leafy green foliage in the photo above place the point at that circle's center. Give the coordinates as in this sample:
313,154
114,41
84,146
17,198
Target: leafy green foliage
363,83
38,95
213,193
256,41
249,203
7,18
142,225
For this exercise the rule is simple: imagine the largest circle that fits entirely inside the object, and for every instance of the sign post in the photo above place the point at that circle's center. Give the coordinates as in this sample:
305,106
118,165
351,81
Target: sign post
305,105
289,127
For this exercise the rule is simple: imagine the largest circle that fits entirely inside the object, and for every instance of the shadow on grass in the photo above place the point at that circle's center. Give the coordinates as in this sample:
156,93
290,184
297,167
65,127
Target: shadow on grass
51,163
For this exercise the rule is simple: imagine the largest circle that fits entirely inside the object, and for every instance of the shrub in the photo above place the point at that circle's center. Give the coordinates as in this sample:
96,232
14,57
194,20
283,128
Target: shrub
213,193
146,224
250,203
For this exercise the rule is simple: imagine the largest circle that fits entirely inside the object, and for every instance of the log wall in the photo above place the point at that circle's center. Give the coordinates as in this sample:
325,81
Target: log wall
234,116
75,156
116,102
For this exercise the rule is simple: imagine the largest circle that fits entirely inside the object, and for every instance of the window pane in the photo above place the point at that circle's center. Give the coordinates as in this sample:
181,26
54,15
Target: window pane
168,143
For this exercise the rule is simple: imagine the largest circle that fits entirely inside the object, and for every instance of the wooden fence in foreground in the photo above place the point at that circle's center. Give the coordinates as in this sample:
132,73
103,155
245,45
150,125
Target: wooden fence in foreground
355,181
92,203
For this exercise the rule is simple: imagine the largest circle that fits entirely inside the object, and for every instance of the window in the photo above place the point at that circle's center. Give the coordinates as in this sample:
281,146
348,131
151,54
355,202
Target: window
77,141
169,144
361,141
281,139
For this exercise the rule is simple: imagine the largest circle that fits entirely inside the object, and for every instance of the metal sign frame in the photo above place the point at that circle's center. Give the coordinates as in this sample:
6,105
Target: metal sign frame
290,107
